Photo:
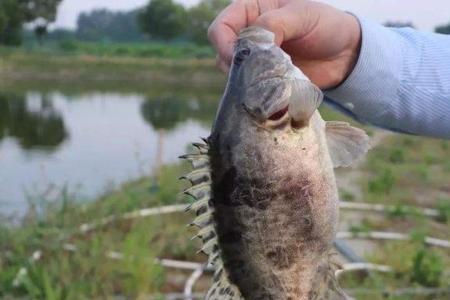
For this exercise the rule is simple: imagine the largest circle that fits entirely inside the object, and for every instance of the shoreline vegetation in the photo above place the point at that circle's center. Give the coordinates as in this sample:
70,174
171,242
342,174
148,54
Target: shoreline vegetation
59,273
140,65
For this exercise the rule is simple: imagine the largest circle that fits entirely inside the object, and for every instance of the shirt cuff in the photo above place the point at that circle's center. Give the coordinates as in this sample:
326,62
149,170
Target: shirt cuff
375,80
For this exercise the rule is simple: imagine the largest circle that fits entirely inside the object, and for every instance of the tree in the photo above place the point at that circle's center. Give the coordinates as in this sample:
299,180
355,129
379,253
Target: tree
163,19
102,24
201,16
14,13
11,20
41,13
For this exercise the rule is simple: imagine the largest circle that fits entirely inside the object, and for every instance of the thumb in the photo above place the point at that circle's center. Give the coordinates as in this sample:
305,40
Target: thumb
288,22
273,21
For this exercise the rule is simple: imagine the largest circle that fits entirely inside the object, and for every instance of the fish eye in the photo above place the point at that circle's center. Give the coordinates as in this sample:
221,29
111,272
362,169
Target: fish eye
241,55
245,52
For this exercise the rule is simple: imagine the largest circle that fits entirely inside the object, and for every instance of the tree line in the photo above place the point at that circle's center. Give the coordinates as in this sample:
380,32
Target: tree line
159,20
162,20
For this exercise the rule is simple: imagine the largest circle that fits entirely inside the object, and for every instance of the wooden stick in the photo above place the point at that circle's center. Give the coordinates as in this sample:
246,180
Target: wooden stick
429,212
142,213
351,267
378,235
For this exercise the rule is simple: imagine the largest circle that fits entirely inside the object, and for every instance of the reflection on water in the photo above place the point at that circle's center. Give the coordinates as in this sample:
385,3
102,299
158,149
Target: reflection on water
166,112
91,141
34,122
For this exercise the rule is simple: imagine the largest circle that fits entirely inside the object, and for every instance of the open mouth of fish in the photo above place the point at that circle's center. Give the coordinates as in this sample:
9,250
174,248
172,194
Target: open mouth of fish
279,114
263,81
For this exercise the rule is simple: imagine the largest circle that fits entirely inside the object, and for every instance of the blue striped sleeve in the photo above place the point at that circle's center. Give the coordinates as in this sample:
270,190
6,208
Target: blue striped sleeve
401,81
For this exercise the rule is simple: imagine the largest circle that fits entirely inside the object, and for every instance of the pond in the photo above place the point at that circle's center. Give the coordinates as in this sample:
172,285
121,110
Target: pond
89,142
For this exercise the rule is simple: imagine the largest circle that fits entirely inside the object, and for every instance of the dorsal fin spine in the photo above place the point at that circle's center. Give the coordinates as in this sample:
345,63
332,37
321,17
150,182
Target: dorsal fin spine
200,178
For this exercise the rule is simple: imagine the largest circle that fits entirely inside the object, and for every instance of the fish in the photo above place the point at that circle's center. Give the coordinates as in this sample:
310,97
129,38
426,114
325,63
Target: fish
263,182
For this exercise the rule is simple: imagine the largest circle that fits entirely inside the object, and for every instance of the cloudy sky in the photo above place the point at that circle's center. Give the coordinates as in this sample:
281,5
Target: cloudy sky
424,14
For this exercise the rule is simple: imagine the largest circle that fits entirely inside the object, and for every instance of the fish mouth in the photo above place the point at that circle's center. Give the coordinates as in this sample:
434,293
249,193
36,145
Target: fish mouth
279,114
279,119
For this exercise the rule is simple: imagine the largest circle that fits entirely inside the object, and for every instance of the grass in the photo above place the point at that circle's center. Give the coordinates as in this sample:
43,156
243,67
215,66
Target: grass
405,171
63,274
408,170
141,50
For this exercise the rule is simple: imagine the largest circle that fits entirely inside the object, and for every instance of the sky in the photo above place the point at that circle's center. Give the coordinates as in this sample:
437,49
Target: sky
424,14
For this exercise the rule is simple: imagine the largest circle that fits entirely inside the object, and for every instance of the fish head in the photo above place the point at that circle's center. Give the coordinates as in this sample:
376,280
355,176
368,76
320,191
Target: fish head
271,88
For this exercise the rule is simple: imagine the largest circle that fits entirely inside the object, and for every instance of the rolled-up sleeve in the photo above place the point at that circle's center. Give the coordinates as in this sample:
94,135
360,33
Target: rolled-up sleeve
401,81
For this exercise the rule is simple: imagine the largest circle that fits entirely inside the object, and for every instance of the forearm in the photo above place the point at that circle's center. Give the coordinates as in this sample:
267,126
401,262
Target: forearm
401,81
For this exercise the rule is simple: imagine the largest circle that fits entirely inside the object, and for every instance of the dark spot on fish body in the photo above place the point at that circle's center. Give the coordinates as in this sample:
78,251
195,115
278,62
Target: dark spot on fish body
238,270
254,196
295,201
222,190
231,236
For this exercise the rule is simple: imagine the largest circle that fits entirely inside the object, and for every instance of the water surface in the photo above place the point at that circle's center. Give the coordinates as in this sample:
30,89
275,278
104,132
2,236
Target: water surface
92,141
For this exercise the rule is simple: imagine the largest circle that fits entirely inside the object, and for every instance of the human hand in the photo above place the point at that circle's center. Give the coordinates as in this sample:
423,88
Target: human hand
322,41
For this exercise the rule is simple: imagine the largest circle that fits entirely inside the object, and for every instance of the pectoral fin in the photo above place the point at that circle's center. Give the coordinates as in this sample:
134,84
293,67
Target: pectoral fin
346,144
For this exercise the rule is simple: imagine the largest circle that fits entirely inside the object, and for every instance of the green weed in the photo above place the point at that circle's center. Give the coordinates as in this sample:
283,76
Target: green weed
397,155
382,183
427,268
347,196
443,208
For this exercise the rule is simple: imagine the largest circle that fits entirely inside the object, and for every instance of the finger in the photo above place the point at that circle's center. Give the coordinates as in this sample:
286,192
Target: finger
284,23
267,5
225,28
